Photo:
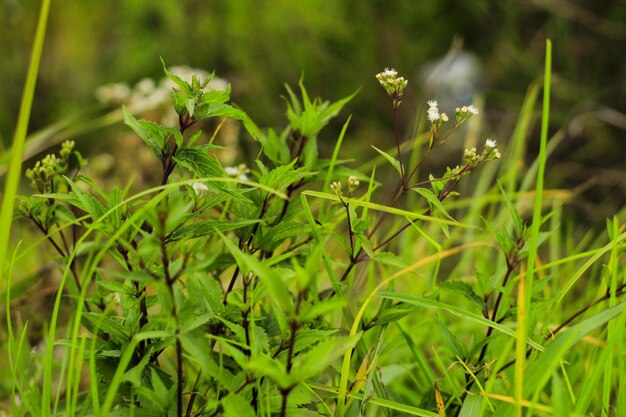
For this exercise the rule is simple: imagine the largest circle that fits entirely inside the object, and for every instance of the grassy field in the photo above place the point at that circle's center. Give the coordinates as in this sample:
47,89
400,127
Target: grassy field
400,246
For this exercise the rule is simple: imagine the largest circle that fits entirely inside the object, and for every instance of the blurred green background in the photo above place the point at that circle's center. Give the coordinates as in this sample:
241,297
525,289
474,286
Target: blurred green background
338,46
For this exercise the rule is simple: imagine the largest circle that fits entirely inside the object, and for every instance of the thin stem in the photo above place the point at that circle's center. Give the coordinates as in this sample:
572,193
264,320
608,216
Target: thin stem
396,129
292,342
170,281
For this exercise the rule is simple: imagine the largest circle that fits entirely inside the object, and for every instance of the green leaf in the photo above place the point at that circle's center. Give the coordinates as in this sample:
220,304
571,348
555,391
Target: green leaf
450,340
272,279
391,259
199,162
208,227
226,110
365,244
206,292
433,201
236,405
464,289
393,161
150,132
283,176
271,237
85,201
275,146
322,356
108,326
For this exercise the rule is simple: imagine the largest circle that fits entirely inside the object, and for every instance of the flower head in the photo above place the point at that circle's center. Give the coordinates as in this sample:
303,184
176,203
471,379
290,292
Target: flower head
433,111
392,83
199,188
336,187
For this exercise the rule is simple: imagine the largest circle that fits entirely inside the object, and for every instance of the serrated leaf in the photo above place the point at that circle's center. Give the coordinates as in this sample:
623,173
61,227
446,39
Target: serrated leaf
206,292
236,405
109,326
86,201
366,245
148,131
273,236
199,162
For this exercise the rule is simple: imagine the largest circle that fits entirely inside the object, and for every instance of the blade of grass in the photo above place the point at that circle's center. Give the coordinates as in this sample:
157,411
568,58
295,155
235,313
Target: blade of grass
526,280
15,167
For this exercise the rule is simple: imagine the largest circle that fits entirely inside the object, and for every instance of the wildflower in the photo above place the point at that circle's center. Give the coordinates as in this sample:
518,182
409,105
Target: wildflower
471,109
465,112
490,151
433,111
470,156
336,187
199,188
393,85
353,183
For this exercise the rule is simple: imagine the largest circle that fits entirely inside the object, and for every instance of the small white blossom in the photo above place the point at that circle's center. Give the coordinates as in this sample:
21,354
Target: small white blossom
433,111
490,143
471,109
336,187
199,188
444,117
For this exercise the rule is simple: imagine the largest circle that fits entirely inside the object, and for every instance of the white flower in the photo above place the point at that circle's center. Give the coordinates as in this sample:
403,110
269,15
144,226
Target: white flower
471,109
432,103
390,72
199,188
490,143
336,187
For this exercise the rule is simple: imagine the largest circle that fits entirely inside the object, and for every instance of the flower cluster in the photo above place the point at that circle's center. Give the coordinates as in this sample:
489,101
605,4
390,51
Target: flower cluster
353,183
464,113
336,186
392,83
472,157
436,119
44,171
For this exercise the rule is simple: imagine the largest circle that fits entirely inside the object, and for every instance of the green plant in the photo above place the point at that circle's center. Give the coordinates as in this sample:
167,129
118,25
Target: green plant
237,291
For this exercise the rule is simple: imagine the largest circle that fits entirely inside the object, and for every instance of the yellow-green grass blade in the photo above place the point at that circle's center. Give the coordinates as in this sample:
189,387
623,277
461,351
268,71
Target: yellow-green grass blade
15,166
526,281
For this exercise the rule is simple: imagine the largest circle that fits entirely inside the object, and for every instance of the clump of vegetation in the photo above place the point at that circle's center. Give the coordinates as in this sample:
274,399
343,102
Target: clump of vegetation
301,286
